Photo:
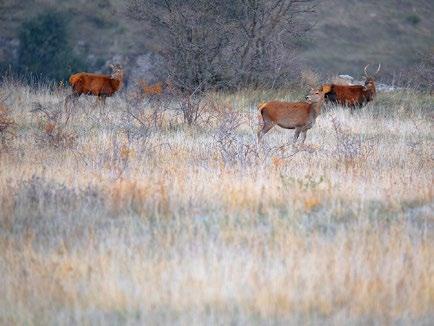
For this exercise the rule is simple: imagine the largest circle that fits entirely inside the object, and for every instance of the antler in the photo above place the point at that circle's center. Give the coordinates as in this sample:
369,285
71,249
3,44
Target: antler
379,66
365,70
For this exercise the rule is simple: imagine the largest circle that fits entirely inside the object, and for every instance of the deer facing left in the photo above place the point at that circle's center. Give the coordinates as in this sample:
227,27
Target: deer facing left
98,85
300,116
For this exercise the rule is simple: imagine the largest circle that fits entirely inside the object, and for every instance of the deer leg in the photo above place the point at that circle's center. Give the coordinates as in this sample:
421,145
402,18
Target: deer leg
103,104
296,134
303,136
265,128
94,105
100,103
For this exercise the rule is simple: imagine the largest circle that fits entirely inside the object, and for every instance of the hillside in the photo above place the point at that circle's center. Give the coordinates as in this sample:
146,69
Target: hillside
96,27
351,33
347,34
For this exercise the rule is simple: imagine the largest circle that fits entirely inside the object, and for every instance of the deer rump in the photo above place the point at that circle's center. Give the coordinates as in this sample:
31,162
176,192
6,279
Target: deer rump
94,84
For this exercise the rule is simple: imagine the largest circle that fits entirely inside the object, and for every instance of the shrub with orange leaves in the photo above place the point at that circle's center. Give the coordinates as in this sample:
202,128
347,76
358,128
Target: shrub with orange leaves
49,127
311,203
151,89
277,162
126,152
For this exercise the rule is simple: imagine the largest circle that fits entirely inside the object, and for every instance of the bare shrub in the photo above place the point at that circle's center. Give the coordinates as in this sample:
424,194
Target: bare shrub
119,157
192,107
7,125
142,117
421,75
233,149
425,71
350,148
209,45
225,43
309,79
136,123
53,127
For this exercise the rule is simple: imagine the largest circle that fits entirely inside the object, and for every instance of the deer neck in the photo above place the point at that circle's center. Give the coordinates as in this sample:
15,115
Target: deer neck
370,90
316,106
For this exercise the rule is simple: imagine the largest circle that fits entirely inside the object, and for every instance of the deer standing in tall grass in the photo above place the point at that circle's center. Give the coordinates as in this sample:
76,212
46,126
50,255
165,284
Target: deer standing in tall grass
300,116
98,85
352,96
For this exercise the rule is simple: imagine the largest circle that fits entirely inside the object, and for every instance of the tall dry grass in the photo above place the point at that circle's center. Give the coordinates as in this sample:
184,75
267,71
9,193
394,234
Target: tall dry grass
142,219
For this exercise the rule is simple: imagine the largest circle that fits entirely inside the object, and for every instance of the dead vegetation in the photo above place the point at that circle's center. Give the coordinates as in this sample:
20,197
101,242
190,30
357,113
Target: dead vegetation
53,127
7,125
147,219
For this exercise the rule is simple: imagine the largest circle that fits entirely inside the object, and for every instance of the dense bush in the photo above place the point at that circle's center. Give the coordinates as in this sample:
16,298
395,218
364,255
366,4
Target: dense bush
44,50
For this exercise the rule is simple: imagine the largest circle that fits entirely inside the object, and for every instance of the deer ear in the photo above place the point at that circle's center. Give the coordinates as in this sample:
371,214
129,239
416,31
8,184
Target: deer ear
326,88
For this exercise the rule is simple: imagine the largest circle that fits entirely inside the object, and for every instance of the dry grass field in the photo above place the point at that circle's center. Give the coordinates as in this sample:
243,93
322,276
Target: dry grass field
127,215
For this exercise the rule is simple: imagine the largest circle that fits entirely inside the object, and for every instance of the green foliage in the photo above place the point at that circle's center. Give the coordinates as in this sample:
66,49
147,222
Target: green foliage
413,19
44,51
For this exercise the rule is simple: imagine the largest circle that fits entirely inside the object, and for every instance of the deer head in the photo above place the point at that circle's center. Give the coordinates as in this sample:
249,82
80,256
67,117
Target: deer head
117,71
370,79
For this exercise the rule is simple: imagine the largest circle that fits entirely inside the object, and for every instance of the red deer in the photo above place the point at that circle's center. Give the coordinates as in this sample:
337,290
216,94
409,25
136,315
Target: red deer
352,95
98,85
300,116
